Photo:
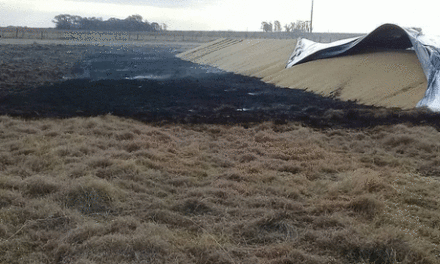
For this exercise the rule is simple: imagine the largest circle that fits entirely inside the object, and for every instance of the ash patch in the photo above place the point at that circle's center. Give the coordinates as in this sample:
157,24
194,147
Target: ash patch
152,85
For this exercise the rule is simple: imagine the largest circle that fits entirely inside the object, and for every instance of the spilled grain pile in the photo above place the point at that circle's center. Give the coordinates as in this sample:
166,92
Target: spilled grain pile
391,78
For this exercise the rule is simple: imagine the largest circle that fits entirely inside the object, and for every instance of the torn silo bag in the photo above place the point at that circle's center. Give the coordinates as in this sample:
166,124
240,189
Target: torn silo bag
388,36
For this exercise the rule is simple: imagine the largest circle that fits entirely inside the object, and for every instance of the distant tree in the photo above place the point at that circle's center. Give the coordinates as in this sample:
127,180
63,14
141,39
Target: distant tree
63,21
263,26
267,27
163,27
92,23
136,18
155,26
77,22
299,25
131,23
277,26
307,26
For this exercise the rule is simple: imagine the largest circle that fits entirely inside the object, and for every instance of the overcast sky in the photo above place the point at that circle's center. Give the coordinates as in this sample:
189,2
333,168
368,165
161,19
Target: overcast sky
239,15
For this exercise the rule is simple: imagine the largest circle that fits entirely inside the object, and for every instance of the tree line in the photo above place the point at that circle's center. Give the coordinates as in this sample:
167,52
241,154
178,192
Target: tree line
131,23
298,26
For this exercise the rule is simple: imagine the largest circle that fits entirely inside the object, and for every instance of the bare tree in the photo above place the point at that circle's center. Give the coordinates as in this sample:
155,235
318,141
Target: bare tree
266,27
308,26
277,26
299,25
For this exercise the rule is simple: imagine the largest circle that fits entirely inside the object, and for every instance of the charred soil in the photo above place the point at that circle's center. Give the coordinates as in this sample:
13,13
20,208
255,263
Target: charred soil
102,80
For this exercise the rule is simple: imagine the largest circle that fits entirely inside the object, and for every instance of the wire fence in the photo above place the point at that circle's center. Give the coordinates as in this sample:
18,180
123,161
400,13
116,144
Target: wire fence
189,36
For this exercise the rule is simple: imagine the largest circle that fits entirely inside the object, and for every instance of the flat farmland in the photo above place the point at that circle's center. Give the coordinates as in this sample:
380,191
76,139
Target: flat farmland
126,154
157,36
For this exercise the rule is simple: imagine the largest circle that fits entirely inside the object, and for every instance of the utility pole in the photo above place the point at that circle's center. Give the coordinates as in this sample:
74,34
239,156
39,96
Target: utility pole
311,19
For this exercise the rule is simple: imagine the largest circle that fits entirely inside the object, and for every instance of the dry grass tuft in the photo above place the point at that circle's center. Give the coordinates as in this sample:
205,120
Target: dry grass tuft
367,206
113,190
38,185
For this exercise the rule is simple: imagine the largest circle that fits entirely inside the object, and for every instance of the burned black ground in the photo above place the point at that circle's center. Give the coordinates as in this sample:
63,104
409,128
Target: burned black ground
153,85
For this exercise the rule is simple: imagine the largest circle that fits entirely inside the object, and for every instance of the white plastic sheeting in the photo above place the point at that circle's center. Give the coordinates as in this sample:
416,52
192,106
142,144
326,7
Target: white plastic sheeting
388,36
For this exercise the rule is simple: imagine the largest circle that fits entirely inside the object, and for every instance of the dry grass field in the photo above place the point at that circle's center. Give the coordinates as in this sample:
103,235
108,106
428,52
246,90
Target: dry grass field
109,189
113,190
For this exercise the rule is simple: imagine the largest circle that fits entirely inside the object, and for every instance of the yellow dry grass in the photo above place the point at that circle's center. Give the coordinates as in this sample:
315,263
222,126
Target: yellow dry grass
113,190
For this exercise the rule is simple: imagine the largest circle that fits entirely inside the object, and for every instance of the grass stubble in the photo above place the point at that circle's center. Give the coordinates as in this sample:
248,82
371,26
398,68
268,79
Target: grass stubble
113,190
